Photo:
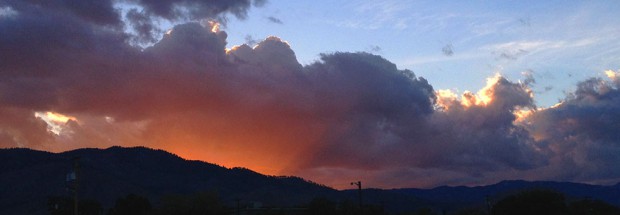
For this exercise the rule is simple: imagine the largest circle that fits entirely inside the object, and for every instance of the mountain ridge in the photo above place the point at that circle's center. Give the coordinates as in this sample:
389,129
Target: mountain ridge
28,177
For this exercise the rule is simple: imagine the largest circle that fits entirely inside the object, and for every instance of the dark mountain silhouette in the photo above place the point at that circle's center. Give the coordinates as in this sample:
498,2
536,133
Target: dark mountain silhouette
451,198
28,178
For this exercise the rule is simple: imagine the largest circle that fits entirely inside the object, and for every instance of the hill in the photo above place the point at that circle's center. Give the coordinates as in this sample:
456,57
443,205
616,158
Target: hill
452,198
28,178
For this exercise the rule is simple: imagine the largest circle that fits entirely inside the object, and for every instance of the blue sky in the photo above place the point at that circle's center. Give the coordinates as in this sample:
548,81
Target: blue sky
558,42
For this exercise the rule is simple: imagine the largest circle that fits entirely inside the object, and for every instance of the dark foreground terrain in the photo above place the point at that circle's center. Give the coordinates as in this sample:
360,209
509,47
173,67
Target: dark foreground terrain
145,181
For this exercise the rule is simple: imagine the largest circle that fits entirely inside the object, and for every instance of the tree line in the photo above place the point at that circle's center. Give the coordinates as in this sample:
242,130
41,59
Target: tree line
530,202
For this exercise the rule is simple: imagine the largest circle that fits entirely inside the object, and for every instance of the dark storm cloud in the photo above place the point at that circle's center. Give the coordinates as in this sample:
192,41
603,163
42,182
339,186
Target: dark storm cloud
108,13
467,142
72,56
197,9
483,137
371,102
98,12
143,25
62,50
582,131
347,113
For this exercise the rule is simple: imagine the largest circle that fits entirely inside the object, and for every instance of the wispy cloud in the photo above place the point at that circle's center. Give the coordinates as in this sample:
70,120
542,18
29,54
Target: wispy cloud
377,14
516,49
417,60
274,20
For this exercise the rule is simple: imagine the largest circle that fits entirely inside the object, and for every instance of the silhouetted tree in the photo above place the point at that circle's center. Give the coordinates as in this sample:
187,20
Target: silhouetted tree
471,212
64,206
532,202
90,207
322,206
196,204
131,205
425,211
594,207
59,205
348,208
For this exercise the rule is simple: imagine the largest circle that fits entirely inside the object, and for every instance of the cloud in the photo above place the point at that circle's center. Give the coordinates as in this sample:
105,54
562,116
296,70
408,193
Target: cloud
375,15
515,50
194,9
249,40
274,20
374,48
143,25
481,131
355,114
448,50
142,15
7,12
580,131
20,128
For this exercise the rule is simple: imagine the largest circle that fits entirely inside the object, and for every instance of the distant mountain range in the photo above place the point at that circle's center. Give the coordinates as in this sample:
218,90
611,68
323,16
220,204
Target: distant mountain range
28,178
451,198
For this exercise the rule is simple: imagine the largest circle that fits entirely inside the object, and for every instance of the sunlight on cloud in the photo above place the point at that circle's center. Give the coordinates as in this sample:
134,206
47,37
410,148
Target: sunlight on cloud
215,26
445,98
522,115
55,121
482,97
612,74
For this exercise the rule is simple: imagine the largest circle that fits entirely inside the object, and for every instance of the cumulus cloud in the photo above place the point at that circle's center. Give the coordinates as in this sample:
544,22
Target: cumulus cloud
481,126
581,132
345,116
142,16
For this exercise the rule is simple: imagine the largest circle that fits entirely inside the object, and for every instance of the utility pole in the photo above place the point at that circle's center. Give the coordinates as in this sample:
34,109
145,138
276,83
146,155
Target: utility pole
359,192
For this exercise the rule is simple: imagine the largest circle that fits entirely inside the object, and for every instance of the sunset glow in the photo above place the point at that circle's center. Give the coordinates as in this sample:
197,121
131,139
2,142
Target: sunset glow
215,26
522,115
392,93
445,98
55,121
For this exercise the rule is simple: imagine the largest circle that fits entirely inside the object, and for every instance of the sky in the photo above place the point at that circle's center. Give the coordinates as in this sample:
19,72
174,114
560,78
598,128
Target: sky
391,93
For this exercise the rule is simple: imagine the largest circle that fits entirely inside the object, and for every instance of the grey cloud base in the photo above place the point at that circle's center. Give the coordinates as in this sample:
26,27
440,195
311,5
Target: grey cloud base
350,114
